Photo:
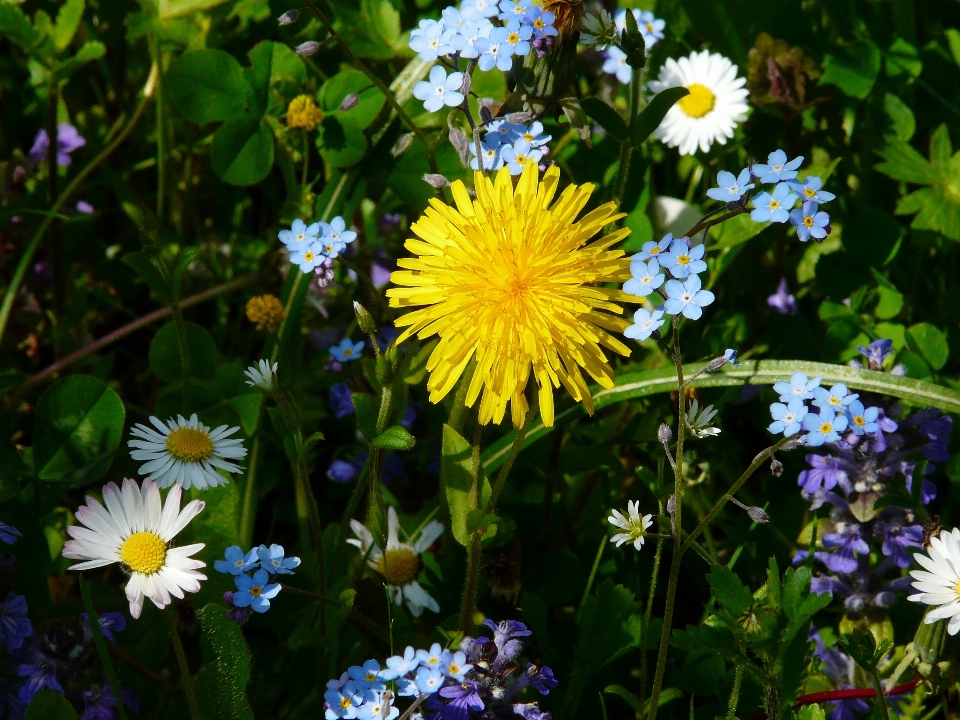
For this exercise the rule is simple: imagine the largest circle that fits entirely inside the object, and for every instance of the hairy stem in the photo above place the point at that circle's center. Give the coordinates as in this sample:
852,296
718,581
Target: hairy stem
185,675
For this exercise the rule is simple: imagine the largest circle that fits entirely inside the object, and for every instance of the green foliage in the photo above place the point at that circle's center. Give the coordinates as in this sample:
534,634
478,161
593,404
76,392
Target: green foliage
50,705
221,683
462,493
394,438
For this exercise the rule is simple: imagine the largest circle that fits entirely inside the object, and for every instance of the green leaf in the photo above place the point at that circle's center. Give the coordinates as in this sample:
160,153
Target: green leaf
247,407
15,25
632,700
79,424
169,9
373,27
370,100
902,162
861,646
89,51
728,590
903,61
68,18
367,412
853,68
953,40
221,684
577,118
50,705
165,353
608,118
811,712
207,86
456,469
901,116
341,141
930,342
186,256
652,115
478,519
394,438
148,271
764,372
242,151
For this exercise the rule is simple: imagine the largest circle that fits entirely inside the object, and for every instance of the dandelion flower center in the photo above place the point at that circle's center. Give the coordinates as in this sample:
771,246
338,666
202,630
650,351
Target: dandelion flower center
509,280
143,552
399,566
826,428
699,102
189,444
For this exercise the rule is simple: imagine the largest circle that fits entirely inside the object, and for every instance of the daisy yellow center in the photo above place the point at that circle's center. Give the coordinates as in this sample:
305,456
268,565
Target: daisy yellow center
308,256
809,192
826,428
399,566
859,420
189,445
509,279
683,259
513,38
143,552
808,221
699,102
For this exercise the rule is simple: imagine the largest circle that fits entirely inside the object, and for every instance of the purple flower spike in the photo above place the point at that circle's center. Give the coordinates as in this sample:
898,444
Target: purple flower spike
848,544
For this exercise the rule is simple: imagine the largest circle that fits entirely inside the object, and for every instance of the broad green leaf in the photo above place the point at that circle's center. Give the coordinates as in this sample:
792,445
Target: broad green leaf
247,407
15,25
763,372
902,162
728,590
165,353
366,408
574,113
221,684
373,27
953,40
242,151
207,86
853,68
930,342
394,438
861,646
341,141
811,712
934,211
901,116
456,470
632,700
608,118
50,705
169,9
68,18
78,427
370,100
903,61
652,115
89,51
258,77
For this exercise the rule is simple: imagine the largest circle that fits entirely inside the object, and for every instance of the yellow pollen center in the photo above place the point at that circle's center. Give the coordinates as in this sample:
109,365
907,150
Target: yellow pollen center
345,702
649,27
859,420
833,400
399,566
521,159
143,552
538,24
433,661
656,249
528,137
513,38
699,102
348,352
308,256
774,204
300,237
189,445
256,590
826,428
808,221
454,669
809,192
683,259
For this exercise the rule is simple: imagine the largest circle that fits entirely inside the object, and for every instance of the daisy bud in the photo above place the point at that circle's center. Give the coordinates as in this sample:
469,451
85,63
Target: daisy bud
364,319
437,181
403,142
664,433
349,102
308,48
288,18
758,515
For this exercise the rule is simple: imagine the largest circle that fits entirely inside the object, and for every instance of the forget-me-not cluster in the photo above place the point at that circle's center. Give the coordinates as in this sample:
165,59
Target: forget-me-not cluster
310,245
254,592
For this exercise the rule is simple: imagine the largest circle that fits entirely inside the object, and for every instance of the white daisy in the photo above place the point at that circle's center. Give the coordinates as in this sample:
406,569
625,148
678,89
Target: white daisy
940,586
400,564
710,113
186,452
135,530
261,375
634,525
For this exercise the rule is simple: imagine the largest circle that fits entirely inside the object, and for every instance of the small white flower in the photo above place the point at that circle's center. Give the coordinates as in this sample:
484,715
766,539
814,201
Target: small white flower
135,529
400,564
634,525
701,426
941,585
261,375
186,452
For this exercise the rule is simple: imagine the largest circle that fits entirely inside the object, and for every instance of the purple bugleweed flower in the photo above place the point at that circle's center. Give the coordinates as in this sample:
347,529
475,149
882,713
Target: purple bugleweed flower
41,675
897,538
341,471
15,626
8,533
68,140
504,637
340,400
463,698
110,622
848,544
531,711
541,678
876,353
99,703
782,301
935,426
826,471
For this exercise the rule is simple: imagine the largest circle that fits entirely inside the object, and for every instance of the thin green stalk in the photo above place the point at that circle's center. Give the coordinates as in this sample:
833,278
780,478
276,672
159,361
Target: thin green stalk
593,571
626,145
648,612
507,465
185,676
735,694
53,177
379,84
25,260
881,698
101,644
186,361
665,634
160,129
249,508
286,315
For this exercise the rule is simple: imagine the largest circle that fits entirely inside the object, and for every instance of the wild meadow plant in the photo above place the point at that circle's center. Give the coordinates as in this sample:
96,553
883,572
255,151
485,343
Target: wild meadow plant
490,310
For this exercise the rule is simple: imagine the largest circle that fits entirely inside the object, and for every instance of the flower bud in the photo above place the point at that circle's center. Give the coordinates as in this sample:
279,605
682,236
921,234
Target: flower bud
459,142
364,320
467,83
776,467
793,443
664,433
288,18
308,48
758,515
672,504
437,181
519,117
349,102
485,115
403,142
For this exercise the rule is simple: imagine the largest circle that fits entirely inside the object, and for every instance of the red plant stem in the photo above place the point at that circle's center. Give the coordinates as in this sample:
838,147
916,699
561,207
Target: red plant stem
852,694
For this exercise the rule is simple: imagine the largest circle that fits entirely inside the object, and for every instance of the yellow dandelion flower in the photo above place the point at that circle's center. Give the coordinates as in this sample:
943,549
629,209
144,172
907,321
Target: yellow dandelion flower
266,311
302,112
510,279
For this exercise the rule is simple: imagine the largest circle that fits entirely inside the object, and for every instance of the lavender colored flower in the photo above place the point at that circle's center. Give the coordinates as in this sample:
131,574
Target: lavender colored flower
504,637
897,538
68,140
110,623
462,699
782,301
848,543
99,703
341,471
8,533
340,400
84,208
541,678
15,626
937,428
876,353
826,471
41,675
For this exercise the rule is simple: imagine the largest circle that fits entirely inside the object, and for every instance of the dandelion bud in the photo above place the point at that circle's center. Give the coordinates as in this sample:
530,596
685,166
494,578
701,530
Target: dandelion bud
437,181
758,515
364,319
349,102
664,433
485,115
403,142
308,48
288,18
519,117
776,467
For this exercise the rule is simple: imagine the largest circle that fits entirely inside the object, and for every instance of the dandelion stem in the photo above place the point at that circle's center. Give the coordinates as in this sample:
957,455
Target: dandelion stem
101,644
185,676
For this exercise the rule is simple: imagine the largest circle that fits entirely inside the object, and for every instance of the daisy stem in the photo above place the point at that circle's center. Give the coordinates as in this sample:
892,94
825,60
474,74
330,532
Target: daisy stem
650,595
101,644
185,676
186,365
